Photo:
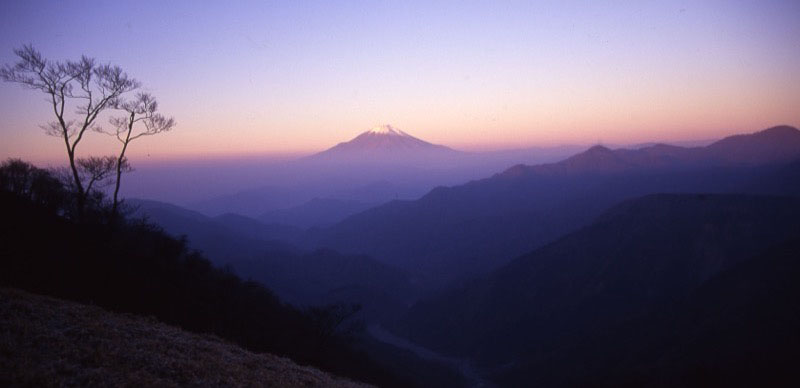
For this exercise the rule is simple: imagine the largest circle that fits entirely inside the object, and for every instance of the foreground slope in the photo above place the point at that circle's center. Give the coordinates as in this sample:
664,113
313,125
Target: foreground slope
638,256
136,268
50,342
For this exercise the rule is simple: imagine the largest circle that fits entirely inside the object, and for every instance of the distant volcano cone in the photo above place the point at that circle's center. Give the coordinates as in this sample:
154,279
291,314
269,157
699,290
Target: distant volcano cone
384,143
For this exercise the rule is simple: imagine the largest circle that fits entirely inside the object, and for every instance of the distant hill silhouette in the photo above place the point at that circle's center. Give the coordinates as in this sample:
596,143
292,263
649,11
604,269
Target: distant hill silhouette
251,228
637,259
316,212
774,145
460,231
300,277
771,146
223,238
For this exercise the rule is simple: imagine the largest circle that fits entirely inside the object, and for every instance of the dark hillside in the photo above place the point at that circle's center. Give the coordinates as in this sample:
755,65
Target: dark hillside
639,255
138,269
741,328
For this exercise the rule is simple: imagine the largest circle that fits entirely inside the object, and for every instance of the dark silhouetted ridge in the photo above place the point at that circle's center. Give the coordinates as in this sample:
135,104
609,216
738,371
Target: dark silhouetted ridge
635,259
773,145
779,144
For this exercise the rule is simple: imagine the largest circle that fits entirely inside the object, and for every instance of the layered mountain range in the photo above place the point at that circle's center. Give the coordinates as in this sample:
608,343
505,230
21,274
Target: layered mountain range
463,230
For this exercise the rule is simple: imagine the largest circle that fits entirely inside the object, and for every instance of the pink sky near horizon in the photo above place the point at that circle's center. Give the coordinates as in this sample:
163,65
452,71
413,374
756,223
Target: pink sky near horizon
279,80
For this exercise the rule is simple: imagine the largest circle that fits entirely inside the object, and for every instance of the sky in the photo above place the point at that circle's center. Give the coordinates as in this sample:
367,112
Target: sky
246,78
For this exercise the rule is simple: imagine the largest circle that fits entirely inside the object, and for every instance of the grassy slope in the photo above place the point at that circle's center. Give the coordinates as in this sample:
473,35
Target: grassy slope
49,342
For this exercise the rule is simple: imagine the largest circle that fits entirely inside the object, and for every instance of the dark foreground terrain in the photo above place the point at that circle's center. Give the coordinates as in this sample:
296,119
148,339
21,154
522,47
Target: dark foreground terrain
51,342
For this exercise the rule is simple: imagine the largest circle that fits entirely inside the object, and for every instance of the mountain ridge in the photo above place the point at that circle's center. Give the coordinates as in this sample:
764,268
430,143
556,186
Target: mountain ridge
772,145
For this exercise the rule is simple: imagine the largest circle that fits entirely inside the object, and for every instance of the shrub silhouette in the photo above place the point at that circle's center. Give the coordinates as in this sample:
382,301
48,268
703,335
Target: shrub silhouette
33,184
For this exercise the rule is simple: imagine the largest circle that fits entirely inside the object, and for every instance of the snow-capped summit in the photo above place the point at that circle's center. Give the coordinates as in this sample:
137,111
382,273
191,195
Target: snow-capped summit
387,130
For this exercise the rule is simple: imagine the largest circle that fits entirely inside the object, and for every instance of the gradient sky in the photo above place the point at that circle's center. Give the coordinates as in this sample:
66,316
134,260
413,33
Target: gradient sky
300,76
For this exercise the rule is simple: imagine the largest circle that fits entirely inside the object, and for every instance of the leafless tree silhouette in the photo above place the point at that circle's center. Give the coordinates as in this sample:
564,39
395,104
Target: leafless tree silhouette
90,86
141,119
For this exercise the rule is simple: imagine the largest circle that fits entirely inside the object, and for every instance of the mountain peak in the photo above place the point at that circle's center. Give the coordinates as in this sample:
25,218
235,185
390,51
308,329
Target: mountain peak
772,145
781,130
599,149
386,130
386,135
386,144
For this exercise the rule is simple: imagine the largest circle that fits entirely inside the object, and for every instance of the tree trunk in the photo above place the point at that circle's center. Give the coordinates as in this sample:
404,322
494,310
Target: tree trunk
115,205
80,194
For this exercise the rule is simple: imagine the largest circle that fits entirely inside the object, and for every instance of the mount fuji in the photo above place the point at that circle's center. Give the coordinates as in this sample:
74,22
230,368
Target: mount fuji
386,144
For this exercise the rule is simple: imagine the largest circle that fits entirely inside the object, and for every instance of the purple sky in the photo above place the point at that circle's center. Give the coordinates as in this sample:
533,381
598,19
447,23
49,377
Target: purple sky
294,77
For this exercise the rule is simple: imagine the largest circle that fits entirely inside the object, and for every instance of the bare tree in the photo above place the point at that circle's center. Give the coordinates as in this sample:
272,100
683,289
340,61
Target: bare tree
91,87
141,119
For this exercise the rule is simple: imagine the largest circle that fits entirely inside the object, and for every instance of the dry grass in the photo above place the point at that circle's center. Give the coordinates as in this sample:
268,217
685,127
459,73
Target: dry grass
50,342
